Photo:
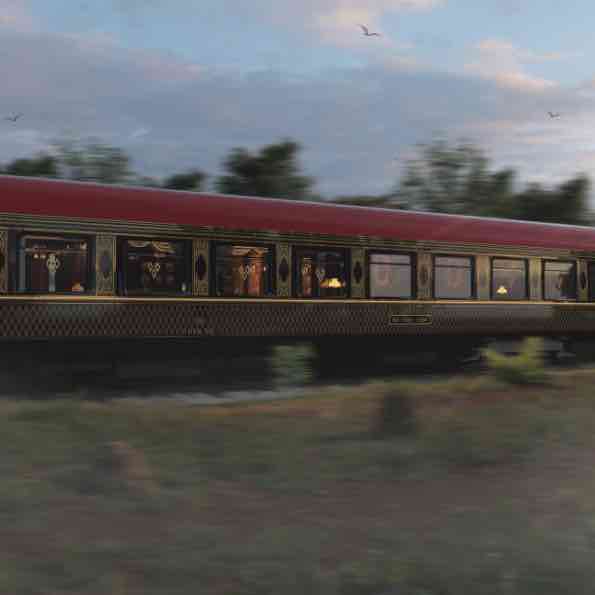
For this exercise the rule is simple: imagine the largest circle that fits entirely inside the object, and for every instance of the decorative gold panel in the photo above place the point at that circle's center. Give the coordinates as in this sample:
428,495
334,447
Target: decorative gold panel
358,273
284,274
3,261
482,276
424,275
582,278
105,260
200,267
535,284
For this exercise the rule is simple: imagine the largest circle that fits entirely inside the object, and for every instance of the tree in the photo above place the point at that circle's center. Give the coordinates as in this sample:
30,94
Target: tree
93,161
43,165
191,180
457,179
382,201
272,173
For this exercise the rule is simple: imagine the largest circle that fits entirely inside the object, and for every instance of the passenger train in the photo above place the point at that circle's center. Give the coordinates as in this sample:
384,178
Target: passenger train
90,261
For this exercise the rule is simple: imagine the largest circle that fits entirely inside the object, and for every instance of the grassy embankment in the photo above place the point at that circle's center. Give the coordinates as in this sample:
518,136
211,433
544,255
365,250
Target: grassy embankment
467,486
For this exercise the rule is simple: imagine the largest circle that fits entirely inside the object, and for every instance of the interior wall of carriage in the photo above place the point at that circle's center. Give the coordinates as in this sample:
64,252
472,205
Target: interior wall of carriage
54,262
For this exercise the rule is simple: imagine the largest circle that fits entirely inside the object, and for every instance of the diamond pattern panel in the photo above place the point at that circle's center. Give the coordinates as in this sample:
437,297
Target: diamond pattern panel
232,319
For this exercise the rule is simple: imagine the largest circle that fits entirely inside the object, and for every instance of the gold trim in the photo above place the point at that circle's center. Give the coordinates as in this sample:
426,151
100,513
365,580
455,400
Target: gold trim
358,256
482,276
200,248
283,251
3,260
142,229
535,280
105,247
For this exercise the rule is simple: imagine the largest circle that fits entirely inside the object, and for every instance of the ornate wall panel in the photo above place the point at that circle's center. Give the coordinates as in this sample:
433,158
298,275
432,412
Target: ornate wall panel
535,284
582,277
200,267
284,273
105,262
3,261
358,273
482,277
424,276
291,318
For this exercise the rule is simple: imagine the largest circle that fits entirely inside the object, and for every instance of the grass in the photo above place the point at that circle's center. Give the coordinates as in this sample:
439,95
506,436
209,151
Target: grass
469,485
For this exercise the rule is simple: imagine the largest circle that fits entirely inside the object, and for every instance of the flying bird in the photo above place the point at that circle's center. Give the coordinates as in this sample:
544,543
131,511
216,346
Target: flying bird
367,32
13,118
554,114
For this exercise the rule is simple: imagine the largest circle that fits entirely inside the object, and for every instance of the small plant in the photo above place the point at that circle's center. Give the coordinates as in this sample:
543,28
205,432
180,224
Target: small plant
525,368
292,364
396,416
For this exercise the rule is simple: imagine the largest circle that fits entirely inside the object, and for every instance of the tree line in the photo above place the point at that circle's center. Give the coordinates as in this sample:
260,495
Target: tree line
441,178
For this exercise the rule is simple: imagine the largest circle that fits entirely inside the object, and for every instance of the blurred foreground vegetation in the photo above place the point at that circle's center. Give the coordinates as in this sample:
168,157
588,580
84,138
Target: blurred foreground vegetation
475,485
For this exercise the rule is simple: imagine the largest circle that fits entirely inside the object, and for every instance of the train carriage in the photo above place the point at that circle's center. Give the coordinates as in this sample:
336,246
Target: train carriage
90,261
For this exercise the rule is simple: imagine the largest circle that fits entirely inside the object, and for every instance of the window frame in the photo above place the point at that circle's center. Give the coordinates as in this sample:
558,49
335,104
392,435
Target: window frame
90,272
213,269
121,259
296,249
574,263
472,270
413,266
497,299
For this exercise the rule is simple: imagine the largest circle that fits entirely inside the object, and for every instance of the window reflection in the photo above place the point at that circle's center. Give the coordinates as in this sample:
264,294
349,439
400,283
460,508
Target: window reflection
53,264
559,280
453,277
391,276
509,279
243,271
321,273
155,266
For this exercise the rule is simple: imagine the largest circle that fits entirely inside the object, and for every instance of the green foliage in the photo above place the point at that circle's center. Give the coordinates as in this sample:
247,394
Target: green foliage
457,179
192,180
292,364
92,161
525,368
44,165
396,415
271,173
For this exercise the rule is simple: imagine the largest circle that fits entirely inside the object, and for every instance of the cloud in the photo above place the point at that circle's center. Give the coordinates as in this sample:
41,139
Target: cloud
503,62
14,15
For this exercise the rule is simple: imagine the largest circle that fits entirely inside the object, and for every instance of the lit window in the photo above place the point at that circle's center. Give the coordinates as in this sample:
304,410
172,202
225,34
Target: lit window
155,267
321,273
53,264
559,280
243,271
453,277
509,279
391,276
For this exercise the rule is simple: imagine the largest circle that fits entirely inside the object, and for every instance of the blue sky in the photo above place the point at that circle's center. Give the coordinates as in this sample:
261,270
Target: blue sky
178,83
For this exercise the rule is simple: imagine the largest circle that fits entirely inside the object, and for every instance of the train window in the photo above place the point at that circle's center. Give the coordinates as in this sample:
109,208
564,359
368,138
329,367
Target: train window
591,281
154,267
53,264
244,271
453,277
559,280
391,276
321,273
509,279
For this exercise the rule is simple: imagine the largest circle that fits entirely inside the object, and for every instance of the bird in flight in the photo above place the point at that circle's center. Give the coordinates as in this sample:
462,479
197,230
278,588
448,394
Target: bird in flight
13,118
367,32
554,114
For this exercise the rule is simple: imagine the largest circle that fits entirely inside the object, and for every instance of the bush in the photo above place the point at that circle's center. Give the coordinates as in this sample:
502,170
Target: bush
525,368
396,416
292,364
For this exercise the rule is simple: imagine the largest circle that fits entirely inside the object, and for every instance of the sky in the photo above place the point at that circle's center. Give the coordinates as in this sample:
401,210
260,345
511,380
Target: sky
177,84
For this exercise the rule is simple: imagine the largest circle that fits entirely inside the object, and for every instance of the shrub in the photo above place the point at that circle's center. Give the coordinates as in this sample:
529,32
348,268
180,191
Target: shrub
292,364
525,368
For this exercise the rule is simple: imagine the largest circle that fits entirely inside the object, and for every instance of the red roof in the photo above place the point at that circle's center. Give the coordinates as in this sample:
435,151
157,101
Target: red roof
35,196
